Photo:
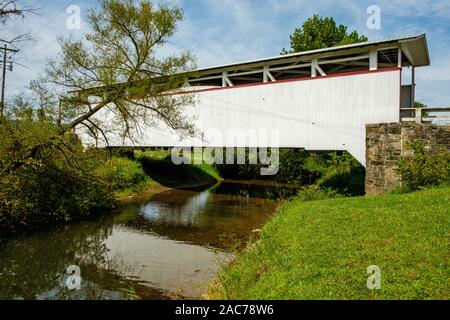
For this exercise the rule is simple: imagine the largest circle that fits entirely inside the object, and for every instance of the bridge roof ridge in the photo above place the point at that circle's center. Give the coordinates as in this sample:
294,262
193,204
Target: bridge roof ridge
418,40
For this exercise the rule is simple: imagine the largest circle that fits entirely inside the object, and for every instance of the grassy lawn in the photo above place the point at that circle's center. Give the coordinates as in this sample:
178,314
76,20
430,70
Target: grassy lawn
159,166
322,249
147,185
152,171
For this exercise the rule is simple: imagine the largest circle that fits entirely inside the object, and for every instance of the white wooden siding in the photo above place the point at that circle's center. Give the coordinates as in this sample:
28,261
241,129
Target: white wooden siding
328,113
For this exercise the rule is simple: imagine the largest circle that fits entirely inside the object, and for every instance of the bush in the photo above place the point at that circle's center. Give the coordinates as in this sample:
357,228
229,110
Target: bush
55,185
313,194
44,194
424,167
401,190
159,166
291,169
339,172
121,173
328,170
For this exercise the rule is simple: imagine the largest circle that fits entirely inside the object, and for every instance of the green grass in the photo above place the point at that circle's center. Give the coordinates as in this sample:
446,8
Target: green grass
209,170
322,249
151,170
122,173
159,166
146,185
154,155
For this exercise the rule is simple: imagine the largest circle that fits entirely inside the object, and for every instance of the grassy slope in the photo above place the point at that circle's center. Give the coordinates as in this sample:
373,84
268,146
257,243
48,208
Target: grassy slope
158,165
161,174
321,250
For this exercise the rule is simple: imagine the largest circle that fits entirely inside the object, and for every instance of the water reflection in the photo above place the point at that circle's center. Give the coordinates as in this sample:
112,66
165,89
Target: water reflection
175,267
176,210
210,218
165,248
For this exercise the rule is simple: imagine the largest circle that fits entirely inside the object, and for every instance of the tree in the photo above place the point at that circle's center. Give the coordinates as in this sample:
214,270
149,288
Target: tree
318,32
424,167
9,8
51,186
115,67
420,105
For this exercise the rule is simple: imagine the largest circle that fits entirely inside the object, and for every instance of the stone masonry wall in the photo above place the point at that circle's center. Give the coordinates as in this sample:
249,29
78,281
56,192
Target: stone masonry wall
386,143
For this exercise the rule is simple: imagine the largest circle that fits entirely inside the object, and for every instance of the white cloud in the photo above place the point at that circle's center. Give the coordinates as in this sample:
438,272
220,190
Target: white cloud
44,27
227,31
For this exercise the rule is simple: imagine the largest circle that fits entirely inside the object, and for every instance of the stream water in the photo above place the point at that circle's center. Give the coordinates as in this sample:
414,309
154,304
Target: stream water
167,247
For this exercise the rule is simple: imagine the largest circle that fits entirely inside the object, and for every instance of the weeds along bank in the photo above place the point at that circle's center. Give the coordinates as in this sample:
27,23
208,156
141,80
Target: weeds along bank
62,186
53,190
337,172
322,250
55,184
159,166
65,185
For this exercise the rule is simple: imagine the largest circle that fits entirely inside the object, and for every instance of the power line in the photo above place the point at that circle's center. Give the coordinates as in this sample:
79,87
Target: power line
53,19
17,20
6,50
50,21
19,64
5,60
48,45
47,24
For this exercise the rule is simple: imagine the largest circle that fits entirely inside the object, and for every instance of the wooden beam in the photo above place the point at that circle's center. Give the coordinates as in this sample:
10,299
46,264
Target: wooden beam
299,59
373,60
343,59
247,79
226,82
413,86
294,72
267,75
387,58
316,68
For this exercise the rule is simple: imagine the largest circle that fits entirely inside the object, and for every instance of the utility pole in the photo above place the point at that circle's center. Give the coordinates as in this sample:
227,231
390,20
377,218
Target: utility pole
5,58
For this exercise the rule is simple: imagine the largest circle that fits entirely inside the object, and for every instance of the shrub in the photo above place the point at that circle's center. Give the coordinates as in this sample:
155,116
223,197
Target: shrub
313,194
55,185
42,194
291,169
424,167
328,170
159,166
121,173
401,190
340,172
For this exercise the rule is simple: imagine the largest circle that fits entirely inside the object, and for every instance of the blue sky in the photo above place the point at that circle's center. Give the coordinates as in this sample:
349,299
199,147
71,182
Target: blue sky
226,31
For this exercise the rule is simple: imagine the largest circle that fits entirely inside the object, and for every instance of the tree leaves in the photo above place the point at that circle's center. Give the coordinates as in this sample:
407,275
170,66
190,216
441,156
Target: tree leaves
318,32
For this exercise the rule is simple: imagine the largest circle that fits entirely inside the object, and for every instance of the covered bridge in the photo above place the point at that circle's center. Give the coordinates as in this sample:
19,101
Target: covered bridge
315,100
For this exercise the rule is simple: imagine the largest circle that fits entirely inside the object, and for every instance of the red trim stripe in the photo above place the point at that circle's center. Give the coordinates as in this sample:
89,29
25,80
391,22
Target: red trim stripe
285,81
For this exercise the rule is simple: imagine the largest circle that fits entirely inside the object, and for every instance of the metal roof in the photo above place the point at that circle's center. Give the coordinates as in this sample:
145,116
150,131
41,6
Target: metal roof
414,47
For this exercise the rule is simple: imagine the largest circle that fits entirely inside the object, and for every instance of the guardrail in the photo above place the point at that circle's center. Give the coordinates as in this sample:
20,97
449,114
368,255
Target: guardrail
425,115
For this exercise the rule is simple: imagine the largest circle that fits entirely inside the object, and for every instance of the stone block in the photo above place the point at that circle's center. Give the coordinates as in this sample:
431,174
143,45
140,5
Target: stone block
386,144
